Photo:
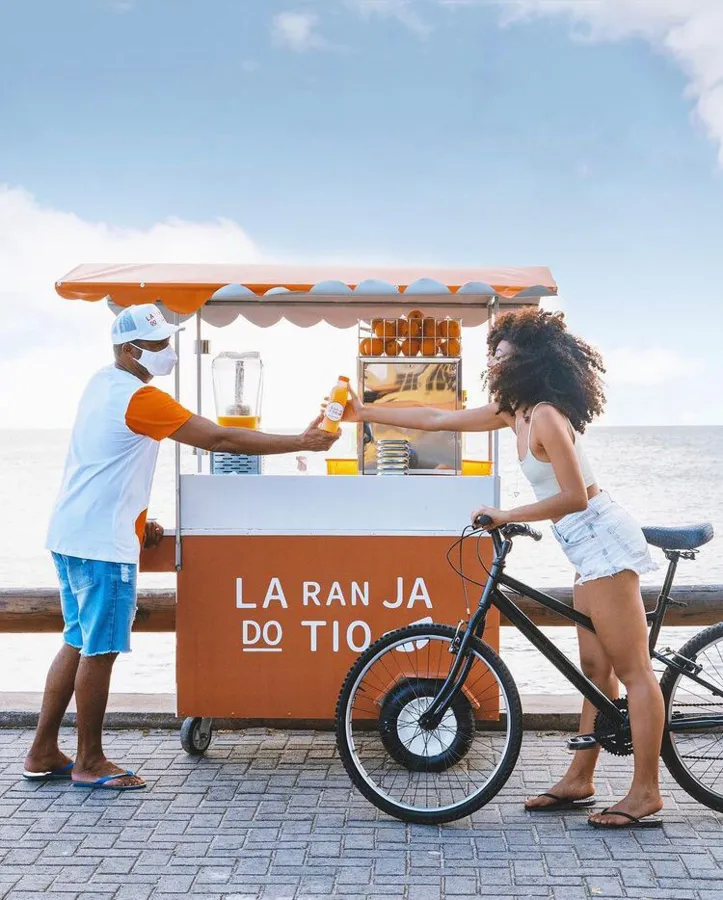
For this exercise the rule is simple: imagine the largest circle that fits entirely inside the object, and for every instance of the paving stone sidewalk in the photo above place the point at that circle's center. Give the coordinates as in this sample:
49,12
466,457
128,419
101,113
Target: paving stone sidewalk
271,815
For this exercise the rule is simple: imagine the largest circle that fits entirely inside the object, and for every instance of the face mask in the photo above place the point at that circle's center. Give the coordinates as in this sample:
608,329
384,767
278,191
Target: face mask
160,362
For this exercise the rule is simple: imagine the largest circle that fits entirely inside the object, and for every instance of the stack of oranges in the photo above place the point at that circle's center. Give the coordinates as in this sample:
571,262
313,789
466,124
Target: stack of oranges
413,335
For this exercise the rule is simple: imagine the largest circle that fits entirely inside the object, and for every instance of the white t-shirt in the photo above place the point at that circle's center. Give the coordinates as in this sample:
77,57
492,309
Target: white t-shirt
101,510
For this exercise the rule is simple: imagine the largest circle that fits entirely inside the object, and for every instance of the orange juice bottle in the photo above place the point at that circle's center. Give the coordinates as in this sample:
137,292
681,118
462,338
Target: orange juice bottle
335,409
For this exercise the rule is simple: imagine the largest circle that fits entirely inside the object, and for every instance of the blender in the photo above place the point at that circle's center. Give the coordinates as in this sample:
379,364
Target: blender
238,383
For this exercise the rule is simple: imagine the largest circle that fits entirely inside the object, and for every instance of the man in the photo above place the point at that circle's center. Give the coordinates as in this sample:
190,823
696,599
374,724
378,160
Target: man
99,523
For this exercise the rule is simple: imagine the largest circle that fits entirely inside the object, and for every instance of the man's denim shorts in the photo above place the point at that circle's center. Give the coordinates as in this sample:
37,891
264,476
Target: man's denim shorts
99,603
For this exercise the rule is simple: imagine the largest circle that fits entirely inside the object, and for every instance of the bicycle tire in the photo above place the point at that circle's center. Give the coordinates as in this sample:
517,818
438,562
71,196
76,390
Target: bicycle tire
512,724
672,757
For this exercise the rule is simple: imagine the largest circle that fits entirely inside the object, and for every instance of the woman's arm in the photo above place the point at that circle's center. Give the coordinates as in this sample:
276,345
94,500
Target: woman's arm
426,418
553,433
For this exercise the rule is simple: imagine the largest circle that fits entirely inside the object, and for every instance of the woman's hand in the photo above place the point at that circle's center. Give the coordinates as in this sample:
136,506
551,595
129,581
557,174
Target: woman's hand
352,410
498,516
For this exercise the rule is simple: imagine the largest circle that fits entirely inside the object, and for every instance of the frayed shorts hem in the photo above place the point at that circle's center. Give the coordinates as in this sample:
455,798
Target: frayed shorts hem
616,570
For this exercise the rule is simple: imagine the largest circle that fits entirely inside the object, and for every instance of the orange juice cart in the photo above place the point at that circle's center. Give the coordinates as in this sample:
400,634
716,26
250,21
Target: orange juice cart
282,580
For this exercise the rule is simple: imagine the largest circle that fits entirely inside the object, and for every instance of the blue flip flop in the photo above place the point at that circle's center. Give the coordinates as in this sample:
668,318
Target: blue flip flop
61,774
103,783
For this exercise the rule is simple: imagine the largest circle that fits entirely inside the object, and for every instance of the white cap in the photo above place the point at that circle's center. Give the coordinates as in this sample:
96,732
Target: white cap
141,323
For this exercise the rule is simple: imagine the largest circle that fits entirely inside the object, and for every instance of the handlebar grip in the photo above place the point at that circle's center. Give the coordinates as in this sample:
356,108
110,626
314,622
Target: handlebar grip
482,521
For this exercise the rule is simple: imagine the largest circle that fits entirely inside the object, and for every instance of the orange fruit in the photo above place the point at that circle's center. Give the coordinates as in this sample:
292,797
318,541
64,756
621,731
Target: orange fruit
449,328
415,314
391,348
451,347
365,347
377,346
384,328
411,346
429,327
429,346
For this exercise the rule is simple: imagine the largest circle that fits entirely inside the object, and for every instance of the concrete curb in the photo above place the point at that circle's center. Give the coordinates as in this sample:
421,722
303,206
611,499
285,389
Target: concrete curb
542,712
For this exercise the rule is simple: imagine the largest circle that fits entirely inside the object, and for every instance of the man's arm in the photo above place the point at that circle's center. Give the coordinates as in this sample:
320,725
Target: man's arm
207,435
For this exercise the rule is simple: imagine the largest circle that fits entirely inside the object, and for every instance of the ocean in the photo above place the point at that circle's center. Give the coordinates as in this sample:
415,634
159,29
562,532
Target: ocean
662,475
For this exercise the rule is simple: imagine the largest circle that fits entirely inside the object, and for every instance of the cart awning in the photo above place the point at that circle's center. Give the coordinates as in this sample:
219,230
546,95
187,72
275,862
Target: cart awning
305,295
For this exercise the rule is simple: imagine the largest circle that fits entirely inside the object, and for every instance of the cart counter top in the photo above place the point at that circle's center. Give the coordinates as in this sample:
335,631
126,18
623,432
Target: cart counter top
423,505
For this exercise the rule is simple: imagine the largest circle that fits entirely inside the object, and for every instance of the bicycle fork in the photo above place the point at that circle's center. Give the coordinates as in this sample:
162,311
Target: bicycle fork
462,665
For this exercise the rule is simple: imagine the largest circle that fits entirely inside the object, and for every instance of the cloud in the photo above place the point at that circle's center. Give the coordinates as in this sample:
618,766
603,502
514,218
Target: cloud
647,366
690,31
403,11
298,31
49,345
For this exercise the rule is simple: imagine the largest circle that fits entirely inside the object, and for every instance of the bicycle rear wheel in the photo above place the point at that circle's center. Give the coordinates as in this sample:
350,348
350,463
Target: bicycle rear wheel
695,758
419,775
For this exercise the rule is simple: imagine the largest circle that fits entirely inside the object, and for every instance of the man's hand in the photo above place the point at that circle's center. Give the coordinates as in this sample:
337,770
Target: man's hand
316,439
153,534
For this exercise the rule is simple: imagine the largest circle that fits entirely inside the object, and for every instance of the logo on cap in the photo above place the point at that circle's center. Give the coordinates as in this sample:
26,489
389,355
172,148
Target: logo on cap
125,322
151,319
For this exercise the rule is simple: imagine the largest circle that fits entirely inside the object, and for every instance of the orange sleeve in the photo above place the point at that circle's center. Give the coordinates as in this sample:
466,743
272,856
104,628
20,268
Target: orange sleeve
155,414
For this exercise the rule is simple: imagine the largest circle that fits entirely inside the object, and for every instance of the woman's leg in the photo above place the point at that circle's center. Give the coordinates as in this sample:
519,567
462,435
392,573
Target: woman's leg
578,782
616,608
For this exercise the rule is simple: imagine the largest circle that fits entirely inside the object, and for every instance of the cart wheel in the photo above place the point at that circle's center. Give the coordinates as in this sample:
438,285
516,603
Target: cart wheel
196,735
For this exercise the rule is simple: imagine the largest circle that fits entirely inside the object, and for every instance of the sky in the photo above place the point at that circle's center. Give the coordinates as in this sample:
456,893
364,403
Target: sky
586,136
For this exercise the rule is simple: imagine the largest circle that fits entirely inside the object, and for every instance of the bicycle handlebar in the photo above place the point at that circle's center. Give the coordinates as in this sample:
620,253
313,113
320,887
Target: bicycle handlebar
512,530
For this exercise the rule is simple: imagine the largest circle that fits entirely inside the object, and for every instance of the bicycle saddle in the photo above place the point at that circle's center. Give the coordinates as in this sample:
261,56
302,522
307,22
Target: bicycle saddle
687,537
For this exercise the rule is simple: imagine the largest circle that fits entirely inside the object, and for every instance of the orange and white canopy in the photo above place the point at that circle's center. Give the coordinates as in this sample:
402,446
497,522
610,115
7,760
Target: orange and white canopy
305,295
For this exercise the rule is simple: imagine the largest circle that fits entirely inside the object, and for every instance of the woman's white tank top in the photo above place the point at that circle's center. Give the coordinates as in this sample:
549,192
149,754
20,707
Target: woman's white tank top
541,475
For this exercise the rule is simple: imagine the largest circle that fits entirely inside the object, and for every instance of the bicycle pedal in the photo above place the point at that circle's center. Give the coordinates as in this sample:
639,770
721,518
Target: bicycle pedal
582,742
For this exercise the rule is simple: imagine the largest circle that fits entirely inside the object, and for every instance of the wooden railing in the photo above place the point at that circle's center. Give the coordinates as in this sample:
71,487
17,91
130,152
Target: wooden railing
33,610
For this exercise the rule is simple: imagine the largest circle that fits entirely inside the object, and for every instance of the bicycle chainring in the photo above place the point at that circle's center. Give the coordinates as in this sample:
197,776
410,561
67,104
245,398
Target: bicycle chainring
616,740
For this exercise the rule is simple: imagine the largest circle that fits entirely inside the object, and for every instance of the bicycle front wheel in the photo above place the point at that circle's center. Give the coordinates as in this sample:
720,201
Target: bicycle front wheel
695,757
424,775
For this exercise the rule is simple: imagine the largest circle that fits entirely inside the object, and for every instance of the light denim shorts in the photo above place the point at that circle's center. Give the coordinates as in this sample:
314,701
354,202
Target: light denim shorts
603,540
99,603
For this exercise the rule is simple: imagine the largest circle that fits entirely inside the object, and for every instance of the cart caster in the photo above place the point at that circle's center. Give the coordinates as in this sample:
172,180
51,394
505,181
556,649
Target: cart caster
196,735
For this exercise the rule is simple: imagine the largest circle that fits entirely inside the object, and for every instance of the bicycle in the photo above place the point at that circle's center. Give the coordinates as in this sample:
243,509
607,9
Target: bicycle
429,720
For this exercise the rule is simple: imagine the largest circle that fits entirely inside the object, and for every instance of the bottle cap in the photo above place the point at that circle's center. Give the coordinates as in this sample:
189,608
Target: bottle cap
343,378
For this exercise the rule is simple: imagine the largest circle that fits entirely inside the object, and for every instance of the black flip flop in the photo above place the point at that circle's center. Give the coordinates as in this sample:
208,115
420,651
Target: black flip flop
561,803
634,822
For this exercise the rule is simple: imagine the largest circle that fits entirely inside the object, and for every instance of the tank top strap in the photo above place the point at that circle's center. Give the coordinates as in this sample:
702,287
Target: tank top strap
529,430
573,433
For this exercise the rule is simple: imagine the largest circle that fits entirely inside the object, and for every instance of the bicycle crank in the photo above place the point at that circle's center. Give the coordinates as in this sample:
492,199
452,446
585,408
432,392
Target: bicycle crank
610,736
607,734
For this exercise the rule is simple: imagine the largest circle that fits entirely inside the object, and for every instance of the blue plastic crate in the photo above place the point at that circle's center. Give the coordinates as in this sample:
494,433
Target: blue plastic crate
235,464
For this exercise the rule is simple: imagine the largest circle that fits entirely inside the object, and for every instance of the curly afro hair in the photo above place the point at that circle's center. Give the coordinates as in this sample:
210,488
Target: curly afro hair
548,365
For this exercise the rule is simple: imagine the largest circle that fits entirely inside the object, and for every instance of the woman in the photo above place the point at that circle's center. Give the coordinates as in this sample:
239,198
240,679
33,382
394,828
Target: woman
545,384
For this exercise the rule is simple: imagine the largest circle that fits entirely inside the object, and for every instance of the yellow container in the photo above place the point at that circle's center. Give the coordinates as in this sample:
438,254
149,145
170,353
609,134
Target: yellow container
342,467
476,467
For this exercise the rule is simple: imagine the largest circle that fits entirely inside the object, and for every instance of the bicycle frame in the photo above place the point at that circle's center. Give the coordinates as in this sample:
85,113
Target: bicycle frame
492,596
